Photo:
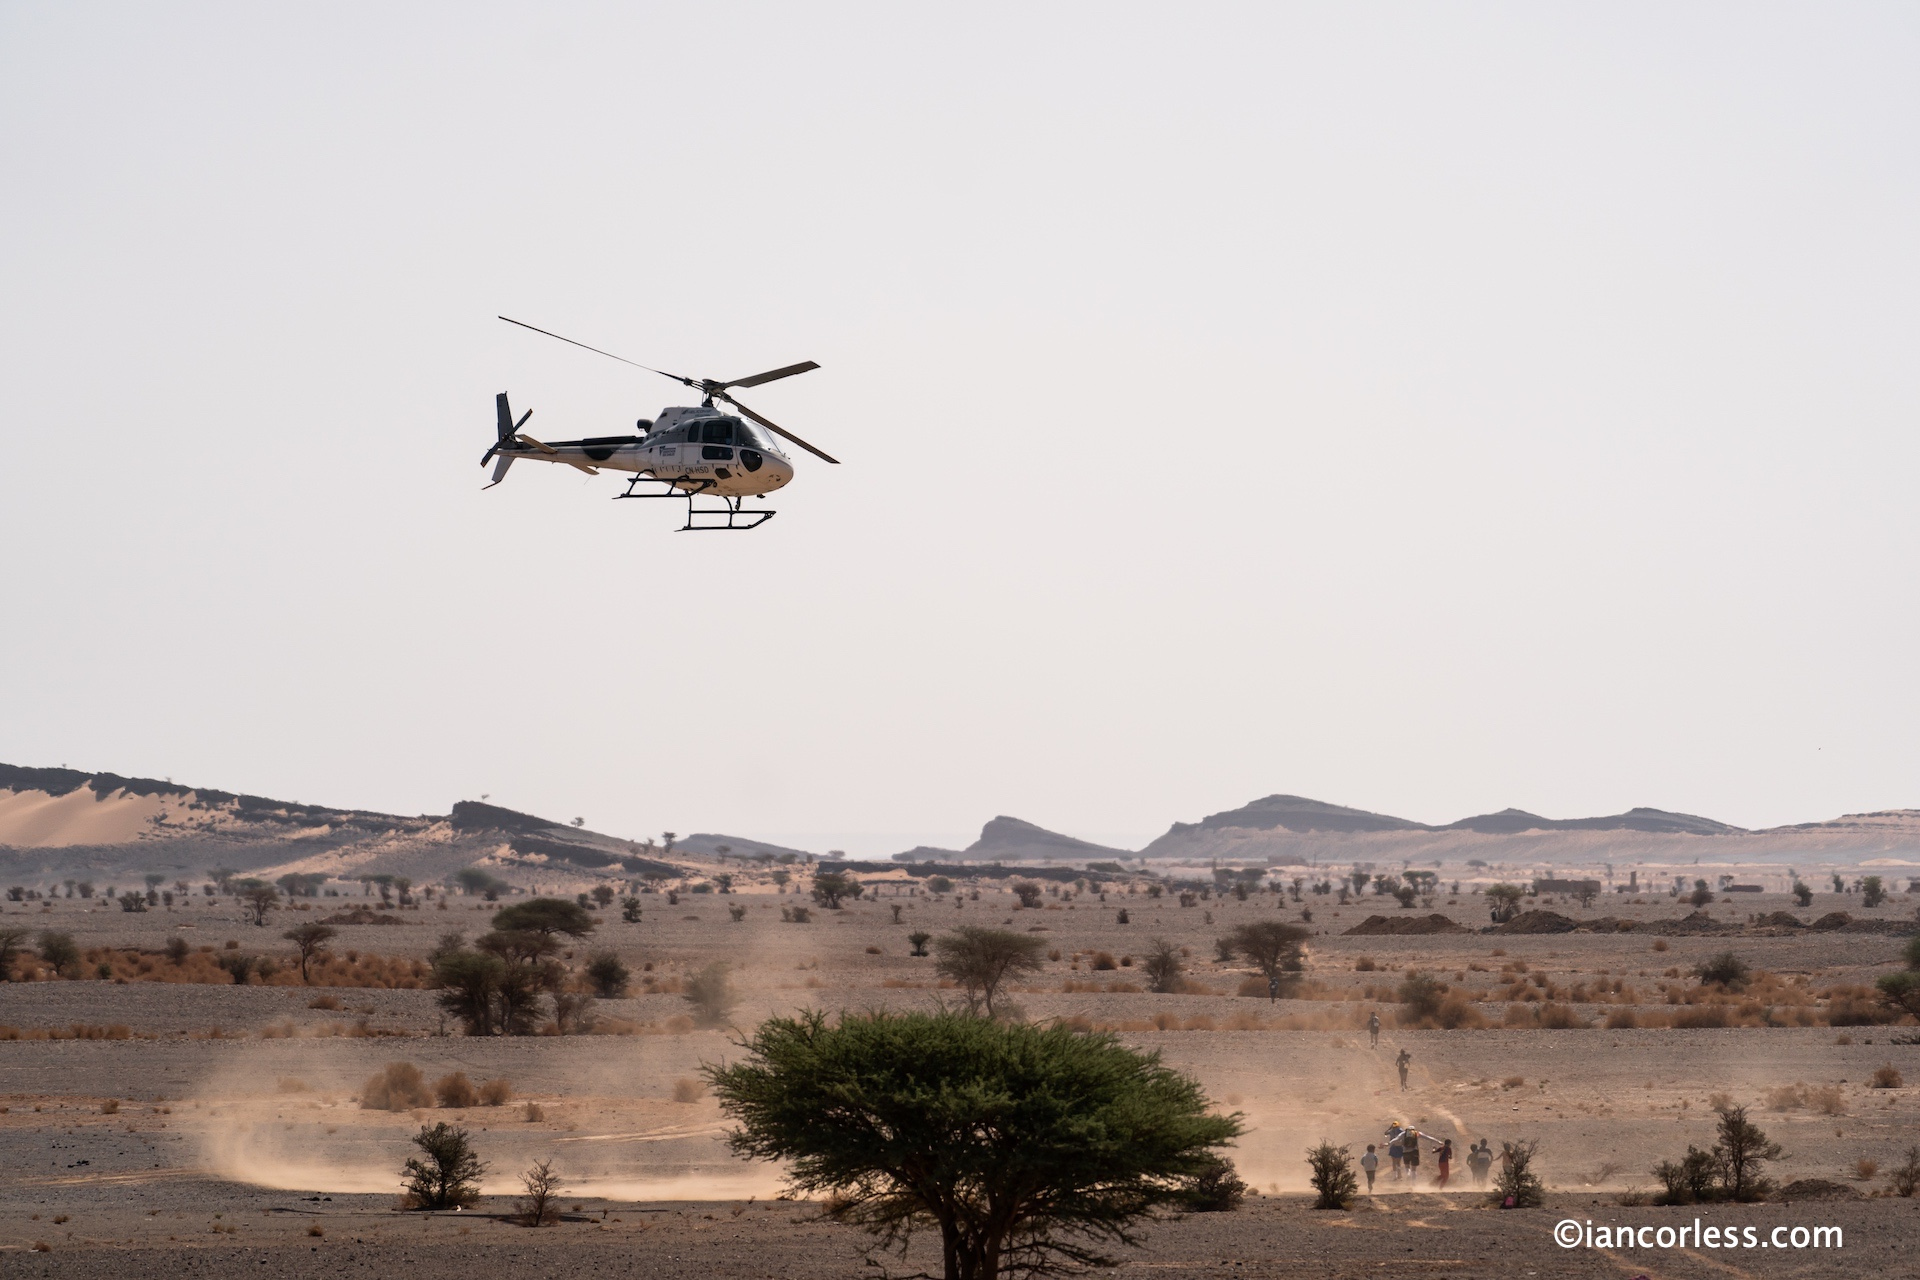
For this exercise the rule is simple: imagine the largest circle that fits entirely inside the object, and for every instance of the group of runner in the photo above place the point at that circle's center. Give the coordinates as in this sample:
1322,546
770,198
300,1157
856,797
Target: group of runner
1403,1142
1403,1153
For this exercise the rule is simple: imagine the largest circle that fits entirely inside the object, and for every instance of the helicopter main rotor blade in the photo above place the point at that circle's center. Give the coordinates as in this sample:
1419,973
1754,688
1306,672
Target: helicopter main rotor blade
777,429
772,375
608,354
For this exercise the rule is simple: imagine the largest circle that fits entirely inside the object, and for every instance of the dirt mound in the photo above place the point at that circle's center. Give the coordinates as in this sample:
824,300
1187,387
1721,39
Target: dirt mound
1395,925
1781,920
1539,922
1832,920
1898,928
361,915
1818,1189
1697,923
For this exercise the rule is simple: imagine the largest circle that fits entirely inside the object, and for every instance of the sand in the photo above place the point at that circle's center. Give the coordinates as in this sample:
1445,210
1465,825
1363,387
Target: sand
252,1128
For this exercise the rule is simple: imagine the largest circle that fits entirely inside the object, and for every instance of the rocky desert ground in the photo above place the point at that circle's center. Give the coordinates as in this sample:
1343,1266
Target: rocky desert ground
156,1126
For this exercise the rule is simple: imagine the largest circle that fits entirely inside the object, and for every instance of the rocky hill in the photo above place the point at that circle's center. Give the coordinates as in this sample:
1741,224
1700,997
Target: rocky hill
58,824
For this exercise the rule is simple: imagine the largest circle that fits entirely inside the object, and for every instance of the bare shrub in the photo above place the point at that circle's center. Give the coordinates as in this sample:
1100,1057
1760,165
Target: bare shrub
1866,1169
1217,1188
1788,1097
543,1184
1103,961
711,994
1516,1185
455,1090
1659,944
400,1087
1906,1176
324,1002
535,1113
111,1107
1623,1019
1885,1077
1163,966
687,1089
573,1013
1697,1017
1725,969
1364,964
1827,1100
1561,1017
496,1093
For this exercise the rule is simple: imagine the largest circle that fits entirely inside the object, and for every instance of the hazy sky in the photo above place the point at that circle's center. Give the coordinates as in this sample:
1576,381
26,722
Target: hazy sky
1430,408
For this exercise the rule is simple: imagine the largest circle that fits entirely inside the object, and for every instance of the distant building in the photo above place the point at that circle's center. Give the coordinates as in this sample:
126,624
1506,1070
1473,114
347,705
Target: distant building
1573,888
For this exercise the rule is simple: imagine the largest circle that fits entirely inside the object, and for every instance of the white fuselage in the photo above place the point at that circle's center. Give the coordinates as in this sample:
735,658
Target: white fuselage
700,450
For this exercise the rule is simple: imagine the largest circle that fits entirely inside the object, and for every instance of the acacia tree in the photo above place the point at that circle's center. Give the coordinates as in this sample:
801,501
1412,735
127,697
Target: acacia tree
10,945
1902,989
260,898
1163,966
982,960
831,886
1744,1151
1026,1147
1506,901
310,938
449,1176
546,916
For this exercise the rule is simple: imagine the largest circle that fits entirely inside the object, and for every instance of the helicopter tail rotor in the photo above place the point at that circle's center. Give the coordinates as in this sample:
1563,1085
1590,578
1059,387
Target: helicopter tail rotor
508,431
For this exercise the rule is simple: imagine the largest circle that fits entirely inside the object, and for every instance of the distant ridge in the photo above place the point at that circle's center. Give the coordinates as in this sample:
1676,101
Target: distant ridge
1510,821
1007,839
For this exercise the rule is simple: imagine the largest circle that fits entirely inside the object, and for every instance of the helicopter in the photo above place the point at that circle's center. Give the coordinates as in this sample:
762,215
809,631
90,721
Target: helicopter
692,452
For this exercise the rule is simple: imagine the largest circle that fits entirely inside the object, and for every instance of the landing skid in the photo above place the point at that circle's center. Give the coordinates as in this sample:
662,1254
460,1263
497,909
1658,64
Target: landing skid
735,520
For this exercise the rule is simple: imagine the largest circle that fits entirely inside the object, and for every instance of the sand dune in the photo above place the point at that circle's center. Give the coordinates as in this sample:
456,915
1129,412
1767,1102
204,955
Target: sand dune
35,819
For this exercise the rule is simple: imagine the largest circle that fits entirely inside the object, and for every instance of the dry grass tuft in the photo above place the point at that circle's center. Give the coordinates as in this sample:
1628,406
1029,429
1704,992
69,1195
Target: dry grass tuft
455,1090
399,1087
687,1089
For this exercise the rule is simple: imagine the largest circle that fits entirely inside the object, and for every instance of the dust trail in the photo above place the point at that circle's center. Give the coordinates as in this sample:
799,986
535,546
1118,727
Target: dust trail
651,1135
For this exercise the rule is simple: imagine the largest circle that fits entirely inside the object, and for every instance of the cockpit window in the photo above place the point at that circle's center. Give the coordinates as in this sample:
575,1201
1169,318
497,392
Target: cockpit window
717,431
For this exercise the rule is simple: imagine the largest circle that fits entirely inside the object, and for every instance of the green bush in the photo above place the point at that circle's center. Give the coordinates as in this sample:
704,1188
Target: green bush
1025,1146
1331,1173
449,1175
59,951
